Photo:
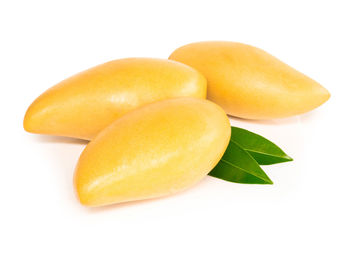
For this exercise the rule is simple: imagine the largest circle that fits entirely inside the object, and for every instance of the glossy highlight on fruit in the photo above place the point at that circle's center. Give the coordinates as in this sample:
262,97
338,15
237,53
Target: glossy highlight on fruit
250,83
156,150
84,104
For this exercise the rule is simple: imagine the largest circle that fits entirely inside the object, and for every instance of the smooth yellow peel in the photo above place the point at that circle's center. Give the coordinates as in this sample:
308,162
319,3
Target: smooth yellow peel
84,104
250,83
156,150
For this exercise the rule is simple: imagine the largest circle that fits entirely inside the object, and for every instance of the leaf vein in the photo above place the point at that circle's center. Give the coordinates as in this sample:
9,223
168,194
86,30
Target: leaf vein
255,175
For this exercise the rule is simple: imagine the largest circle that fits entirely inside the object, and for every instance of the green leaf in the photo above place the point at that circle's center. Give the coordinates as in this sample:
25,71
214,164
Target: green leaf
262,150
239,166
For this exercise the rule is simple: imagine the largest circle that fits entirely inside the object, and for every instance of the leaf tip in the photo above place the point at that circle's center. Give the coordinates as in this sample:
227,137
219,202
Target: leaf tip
288,158
269,181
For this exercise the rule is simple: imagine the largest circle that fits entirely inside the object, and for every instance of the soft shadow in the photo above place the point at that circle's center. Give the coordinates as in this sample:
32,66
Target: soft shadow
59,139
130,204
273,122
320,112
136,203
310,116
116,206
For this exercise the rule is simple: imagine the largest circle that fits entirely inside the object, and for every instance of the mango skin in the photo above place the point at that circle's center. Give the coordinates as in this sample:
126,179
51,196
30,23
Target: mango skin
250,83
84,104
156,150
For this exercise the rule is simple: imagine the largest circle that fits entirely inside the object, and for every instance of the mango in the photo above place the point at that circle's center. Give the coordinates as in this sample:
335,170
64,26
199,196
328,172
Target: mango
249,83
82,105
156,150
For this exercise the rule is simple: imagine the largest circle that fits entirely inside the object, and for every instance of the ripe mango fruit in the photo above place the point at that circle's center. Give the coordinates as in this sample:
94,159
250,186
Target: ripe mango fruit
84,104
156,150
250,83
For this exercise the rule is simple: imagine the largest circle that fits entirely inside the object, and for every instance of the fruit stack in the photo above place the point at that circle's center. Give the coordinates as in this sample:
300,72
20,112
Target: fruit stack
151,130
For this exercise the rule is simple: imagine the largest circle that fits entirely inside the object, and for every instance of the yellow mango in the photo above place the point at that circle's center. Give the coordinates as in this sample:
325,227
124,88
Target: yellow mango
159,149
250,83
84,104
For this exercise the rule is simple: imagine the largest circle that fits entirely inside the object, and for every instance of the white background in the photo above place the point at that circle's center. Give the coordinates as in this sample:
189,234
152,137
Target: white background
306,211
